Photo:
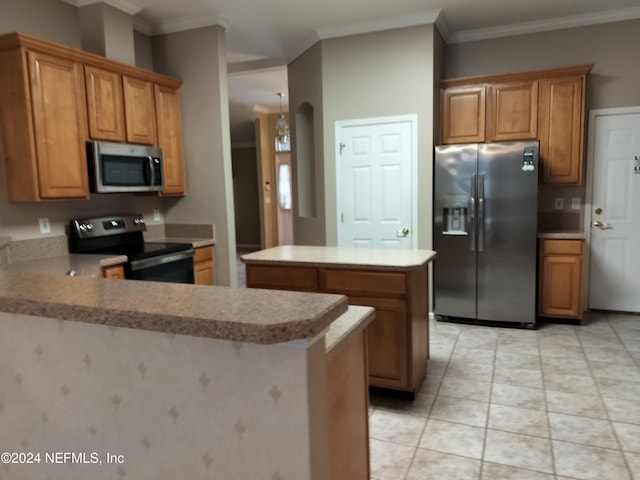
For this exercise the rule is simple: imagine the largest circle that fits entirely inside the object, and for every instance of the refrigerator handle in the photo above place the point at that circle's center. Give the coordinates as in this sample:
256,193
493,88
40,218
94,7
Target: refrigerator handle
472,212
481,213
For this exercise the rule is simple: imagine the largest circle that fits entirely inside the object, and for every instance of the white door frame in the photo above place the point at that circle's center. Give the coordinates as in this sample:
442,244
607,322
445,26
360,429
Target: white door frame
588,200
361,122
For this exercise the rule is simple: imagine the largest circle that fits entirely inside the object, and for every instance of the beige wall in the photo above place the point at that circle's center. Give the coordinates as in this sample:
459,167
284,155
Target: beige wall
373,75
612,48
305,75
198,58
49,19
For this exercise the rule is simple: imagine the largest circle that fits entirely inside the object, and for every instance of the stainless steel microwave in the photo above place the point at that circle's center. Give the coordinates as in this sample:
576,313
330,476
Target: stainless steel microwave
124,168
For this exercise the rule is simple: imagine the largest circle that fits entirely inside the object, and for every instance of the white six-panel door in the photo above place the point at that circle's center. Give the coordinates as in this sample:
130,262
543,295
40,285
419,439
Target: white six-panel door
375,184
614,280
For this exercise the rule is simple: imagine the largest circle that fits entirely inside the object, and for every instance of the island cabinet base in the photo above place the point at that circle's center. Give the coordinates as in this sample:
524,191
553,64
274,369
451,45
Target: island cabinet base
348,405
398,337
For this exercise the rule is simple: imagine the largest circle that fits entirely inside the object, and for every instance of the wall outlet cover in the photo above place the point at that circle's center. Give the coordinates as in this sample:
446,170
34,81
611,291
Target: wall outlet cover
559,203
45,226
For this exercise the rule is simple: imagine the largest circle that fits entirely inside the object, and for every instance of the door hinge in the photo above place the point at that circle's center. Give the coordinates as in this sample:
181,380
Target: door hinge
342,218
342,147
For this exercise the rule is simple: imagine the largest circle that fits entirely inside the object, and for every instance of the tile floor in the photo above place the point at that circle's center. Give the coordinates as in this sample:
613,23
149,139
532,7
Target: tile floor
558,403
561,402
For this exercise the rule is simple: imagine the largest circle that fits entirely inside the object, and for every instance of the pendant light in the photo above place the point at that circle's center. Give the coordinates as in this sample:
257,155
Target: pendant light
282,128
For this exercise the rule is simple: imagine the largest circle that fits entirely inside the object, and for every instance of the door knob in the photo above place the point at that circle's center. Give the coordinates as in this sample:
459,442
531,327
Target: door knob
601,225
402,233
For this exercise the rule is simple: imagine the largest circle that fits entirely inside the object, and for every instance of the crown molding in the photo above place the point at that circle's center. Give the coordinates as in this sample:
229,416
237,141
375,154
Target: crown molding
126,6
582,20
189,23
403,21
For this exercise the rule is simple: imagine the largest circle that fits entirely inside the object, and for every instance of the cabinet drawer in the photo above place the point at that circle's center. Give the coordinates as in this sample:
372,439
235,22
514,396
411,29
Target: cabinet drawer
353,281
562,247
290,278
202,254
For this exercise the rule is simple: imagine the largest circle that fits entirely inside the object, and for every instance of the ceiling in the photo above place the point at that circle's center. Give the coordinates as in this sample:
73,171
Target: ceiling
262,36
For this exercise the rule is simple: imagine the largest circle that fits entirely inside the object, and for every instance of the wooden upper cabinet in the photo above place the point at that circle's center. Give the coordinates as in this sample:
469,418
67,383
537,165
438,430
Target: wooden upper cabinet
548,105
140,111
60,120
463,114
169,123
105,104
512,111
561,129
43,119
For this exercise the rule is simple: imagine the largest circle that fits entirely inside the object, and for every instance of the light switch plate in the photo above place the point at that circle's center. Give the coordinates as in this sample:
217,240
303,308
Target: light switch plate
575,203
559,203
156,215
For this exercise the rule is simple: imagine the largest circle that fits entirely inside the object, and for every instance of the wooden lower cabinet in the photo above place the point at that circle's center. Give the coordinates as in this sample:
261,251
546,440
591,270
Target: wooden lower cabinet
398,337
203,267
561,279
348,404
113,272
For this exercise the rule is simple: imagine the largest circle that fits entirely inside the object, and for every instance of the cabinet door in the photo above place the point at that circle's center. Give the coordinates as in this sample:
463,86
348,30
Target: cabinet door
140,111
387,342
561,129
562,267
203,273
512,111
170,139
60,125
463,114
203,269
105,104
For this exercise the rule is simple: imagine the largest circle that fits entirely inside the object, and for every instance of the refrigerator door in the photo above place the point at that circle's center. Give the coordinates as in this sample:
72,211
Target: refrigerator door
454,233
507,231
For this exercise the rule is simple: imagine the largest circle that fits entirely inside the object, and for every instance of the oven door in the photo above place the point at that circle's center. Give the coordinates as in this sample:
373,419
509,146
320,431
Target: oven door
174,267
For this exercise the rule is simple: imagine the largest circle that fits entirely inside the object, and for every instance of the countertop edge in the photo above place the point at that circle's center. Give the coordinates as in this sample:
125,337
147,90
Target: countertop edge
304,260
346,326
104,309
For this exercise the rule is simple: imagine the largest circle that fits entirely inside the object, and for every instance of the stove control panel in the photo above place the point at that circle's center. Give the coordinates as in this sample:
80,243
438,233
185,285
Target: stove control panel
105,226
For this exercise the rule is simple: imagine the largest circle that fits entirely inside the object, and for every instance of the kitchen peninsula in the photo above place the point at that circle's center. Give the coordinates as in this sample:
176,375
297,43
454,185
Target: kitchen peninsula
174,379
394,282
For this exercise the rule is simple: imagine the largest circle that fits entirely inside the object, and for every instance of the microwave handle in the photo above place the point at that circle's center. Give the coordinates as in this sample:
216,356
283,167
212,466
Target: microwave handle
152,173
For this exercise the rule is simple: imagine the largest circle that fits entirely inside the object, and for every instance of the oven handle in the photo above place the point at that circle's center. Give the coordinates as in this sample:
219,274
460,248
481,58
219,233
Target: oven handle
161,259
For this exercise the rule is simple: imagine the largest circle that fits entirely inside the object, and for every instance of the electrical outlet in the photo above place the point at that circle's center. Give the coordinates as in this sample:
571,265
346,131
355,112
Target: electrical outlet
45,227
559,203
575,203
156,215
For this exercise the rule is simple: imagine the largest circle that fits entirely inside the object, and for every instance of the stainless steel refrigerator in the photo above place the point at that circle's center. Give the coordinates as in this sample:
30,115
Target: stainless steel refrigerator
485,232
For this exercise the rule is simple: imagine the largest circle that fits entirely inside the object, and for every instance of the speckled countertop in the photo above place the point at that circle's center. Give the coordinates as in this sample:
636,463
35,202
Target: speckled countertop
365,258
346,326
563,235
244,315
196,242
81,264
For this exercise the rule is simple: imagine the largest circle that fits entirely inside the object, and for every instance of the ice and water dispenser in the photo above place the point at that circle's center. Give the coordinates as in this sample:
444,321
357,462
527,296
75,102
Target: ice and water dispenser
454,220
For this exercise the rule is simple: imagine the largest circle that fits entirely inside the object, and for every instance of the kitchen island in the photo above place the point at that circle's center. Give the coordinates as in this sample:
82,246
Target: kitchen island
129,379
394,282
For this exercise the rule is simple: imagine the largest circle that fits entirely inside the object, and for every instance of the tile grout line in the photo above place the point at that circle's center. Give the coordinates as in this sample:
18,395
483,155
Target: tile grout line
435,397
